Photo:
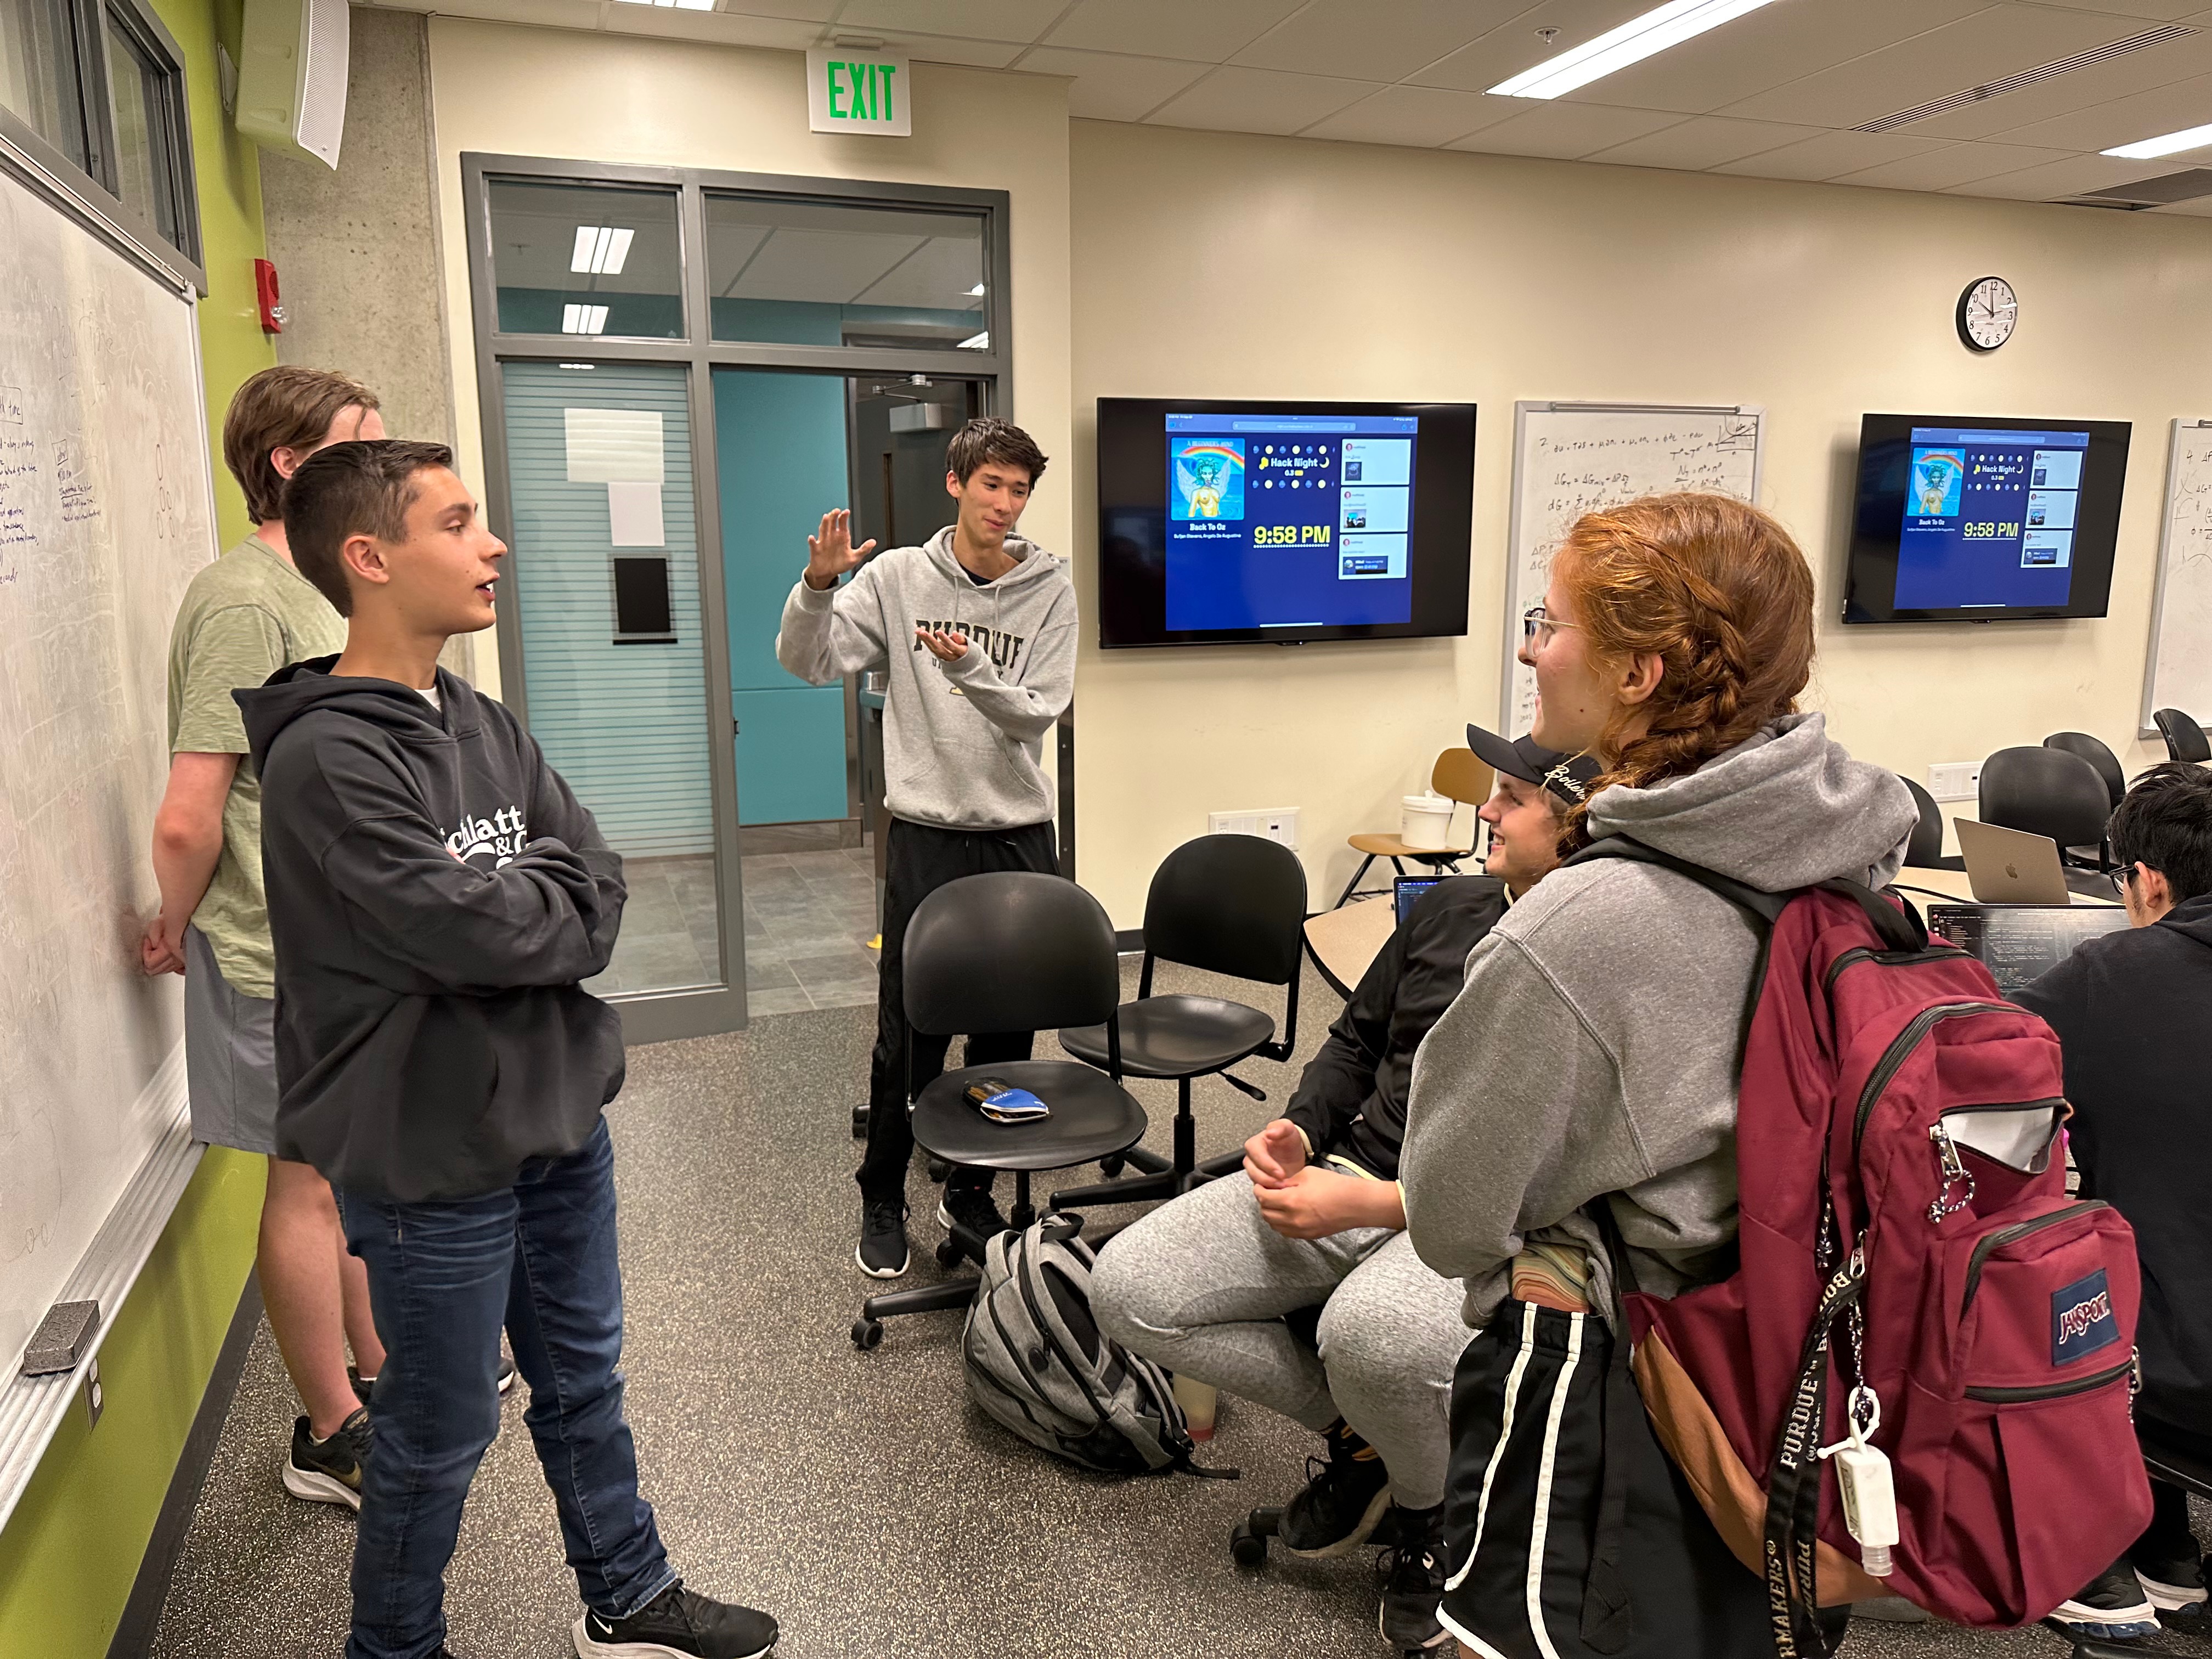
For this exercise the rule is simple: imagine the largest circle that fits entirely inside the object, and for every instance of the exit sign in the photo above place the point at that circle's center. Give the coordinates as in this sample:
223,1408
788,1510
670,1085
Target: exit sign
855,89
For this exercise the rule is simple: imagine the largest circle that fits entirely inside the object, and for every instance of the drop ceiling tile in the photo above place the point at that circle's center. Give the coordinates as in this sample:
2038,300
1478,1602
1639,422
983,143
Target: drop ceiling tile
555,13
722,28
822,264
2054,179
975,20
1570,132
1110,87
2199,209
1702,141
946,49
1516,46
2099,83
1206,32
1375,39
1424,116
1955,164
2123,120
1768,47
1998,41
820,11
1237,99
1829,155
2155,11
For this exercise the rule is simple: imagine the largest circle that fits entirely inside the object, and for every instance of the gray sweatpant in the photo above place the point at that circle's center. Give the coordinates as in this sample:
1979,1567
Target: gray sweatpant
1201,1285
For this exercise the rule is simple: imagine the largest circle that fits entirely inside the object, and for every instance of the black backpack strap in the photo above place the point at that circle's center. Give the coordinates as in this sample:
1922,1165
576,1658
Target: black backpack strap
1768,906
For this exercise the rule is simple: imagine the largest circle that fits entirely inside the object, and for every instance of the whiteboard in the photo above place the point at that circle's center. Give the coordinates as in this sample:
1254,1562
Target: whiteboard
1572,459
2178,674
106,513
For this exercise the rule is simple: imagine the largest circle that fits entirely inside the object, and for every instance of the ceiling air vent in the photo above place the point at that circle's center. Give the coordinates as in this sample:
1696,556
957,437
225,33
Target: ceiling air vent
2161,191
2028,77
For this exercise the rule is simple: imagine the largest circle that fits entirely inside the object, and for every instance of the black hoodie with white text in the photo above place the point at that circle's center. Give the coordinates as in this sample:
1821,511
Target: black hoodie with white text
435,895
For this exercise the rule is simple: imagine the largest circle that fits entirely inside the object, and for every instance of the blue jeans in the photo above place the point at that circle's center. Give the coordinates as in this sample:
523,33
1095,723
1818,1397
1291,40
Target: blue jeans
539,1258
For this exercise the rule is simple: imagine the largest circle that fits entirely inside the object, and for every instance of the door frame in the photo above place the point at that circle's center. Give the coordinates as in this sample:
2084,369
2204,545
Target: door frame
657,1015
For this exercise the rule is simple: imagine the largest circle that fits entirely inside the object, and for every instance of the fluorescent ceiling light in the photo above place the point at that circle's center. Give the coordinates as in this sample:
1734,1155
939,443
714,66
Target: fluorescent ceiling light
583,319
976,341
2143,149
1633,42
975,290
580,365
601,249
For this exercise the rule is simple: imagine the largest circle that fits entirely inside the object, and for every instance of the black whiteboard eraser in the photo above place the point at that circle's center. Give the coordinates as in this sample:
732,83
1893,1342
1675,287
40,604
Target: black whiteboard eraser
62,1338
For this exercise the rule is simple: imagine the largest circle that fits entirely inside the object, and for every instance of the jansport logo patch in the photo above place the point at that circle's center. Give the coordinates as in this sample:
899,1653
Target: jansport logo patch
2082,1319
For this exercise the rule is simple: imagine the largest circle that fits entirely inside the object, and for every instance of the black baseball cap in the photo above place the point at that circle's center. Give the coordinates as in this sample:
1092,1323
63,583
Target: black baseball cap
1567,776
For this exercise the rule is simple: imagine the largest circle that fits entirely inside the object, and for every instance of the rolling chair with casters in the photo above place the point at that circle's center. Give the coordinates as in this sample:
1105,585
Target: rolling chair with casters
1458,776
2185,737
1227,904
2049,792
1011,950
1925,850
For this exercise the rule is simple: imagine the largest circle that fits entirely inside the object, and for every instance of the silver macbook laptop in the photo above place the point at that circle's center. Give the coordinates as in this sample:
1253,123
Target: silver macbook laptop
2010,866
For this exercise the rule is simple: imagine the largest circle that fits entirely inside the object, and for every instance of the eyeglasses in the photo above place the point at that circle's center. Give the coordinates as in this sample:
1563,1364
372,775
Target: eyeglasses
1536,627
2120,878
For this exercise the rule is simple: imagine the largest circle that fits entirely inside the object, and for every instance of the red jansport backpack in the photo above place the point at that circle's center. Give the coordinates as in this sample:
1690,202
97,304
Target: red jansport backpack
1905,1223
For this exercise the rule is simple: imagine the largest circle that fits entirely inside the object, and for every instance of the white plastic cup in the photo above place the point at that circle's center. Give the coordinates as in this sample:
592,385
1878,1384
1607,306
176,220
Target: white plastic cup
1426,822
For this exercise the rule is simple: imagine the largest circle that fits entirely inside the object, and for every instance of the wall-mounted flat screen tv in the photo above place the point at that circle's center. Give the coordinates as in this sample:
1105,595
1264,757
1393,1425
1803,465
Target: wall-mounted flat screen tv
1230,522
1983,519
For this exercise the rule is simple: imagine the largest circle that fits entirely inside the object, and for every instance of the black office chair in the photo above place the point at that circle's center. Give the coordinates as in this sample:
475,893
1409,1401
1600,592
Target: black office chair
2093,750
1230,904
2185,737
1925,850
1011,950
2049,792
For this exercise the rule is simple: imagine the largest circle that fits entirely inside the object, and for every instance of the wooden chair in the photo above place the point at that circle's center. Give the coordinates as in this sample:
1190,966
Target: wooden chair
1459,776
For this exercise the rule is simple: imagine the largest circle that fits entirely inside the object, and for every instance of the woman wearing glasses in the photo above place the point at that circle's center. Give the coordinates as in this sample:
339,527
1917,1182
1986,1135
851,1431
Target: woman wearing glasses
1593,1053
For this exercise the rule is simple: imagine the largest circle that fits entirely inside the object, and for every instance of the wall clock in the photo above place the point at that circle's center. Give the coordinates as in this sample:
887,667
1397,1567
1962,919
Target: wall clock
1987,311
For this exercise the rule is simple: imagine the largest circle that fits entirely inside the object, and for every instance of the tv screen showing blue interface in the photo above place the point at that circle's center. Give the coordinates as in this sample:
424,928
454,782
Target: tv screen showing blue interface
1262,521
1978,520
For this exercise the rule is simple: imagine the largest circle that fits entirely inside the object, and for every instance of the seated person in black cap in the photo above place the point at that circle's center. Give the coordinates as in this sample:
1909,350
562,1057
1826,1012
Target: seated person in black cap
1202,1283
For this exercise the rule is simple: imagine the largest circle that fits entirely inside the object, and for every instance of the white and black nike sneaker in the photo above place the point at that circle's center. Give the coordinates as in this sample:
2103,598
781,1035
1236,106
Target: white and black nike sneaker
883,1252
677,1624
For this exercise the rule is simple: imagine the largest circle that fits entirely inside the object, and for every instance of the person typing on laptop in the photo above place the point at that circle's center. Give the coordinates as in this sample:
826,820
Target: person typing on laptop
2129,1008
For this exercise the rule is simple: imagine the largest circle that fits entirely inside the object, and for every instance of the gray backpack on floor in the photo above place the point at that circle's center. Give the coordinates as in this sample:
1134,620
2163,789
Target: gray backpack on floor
1038,1363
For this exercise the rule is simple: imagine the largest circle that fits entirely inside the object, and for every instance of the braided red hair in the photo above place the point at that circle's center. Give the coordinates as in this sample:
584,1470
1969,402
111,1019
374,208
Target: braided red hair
1720,593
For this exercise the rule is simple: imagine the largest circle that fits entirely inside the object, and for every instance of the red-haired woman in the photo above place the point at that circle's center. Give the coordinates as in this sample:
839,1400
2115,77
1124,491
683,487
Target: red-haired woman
1593,1055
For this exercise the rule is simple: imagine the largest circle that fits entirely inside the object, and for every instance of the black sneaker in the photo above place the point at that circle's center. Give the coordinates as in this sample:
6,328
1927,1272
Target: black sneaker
883,1252
328,1470
677,1622
1413,1574
2173,1586
1343,1501
2112,1608
975,1209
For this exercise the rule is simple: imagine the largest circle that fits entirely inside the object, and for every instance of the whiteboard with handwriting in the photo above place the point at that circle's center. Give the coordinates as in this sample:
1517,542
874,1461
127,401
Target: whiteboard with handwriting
2179,673
1572,459
105,512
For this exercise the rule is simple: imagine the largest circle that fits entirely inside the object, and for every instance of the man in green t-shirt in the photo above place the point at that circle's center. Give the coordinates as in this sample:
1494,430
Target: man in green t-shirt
244,617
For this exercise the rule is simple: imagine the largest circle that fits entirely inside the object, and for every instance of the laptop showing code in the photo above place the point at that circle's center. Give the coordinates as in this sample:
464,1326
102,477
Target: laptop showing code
2019,943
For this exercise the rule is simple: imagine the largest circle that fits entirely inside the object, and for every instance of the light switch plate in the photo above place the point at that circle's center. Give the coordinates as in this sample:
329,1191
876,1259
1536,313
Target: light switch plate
1276,823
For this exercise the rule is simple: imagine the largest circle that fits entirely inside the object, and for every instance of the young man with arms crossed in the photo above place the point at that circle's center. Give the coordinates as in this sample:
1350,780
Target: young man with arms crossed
1202,1283
436,895
2130,1010
977,629
244,617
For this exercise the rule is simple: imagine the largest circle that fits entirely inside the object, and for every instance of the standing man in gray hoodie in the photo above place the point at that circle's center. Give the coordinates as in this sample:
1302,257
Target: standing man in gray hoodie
976,629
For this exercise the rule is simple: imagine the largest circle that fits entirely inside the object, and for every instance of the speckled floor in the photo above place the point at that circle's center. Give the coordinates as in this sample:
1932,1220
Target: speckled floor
859,1496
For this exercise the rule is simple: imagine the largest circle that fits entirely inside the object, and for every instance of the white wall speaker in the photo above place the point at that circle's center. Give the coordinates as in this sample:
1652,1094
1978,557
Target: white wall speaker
292,76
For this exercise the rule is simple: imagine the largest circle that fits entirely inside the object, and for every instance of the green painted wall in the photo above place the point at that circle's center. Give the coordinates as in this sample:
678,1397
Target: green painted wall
71,1550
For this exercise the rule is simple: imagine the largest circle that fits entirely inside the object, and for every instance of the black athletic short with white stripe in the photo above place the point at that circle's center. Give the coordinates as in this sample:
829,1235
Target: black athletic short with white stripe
1522,1512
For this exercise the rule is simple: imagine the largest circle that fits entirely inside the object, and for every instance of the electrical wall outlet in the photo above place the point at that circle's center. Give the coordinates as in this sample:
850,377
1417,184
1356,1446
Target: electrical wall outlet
1955,779
1278,823
96,1396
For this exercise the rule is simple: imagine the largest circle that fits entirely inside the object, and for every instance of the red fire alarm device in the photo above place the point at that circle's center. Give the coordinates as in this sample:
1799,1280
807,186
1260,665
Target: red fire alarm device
271,303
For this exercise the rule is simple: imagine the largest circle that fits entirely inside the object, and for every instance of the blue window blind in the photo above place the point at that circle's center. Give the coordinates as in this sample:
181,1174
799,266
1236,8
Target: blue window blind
625,724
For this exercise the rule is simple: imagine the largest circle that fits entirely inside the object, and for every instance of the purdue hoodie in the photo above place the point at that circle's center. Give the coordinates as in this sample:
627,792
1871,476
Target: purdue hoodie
1594,1049
436,893
963,741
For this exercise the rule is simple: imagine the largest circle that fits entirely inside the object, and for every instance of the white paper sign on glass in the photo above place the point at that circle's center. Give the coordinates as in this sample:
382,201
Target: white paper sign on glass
615,446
